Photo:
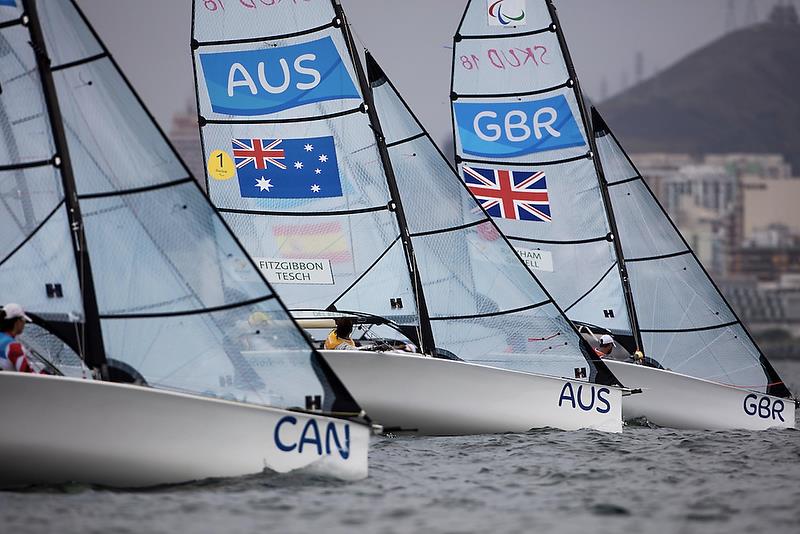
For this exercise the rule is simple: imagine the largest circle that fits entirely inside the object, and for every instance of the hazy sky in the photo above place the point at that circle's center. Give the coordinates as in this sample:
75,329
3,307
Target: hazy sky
412,39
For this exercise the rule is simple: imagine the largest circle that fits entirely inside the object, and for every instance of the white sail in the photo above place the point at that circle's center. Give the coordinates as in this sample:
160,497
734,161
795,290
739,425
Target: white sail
522,147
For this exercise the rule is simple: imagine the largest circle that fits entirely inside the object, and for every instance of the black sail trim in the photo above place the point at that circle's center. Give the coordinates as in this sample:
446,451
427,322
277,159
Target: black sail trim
682,330
560,242
135,190
509,95
659,257
33,233
406,139
368,269
27,165
492,314
449,229
460,37
620,182
303,213
523,163
591,288
78,62
10,23
182,313
271,38
360,109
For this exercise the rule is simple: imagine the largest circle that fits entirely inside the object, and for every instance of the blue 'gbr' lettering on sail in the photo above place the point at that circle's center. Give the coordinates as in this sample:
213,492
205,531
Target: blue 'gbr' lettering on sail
764,407
269,80
511,129
594,398
288,439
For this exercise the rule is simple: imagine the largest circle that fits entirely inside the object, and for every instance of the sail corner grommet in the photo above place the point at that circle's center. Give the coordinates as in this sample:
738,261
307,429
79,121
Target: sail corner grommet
336,22
458,159
610,237
195,44
589,155
552,27
363,108
570,82
391,205
201,121
457,38
453,96
56,160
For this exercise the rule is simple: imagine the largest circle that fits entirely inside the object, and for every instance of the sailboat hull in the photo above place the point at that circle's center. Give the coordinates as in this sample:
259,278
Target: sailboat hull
423,395
674,400
58,429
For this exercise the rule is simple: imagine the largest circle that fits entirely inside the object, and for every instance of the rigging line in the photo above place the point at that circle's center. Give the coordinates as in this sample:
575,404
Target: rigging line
203,121
491,314
9,23
212,309
135,190
523,163
33,233
591,288
331,213
264,39
460,37
78,62
363,274
457,96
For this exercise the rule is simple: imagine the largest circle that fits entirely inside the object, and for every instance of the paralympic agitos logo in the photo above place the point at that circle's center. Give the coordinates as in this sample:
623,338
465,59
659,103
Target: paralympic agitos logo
506,12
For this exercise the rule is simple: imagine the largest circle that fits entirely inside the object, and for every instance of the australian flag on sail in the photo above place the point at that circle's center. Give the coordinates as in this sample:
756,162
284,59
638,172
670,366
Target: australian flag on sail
504,194
287,168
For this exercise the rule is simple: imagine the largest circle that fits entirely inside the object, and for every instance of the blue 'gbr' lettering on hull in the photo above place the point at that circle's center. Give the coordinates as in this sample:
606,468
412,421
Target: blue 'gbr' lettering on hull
765,408
594,399
311,436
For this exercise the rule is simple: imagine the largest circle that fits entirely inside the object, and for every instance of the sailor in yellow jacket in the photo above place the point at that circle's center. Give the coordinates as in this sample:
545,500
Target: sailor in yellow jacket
339,339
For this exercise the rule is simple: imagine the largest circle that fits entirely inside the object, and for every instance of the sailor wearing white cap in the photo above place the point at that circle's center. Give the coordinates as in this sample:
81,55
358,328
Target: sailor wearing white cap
12,354
606,346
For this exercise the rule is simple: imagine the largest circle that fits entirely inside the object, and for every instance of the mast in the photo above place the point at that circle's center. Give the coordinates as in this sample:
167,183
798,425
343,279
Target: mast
92,348
426,330
623,272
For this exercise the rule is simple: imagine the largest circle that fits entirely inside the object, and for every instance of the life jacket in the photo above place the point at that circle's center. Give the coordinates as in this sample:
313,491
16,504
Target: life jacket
334,342
12,355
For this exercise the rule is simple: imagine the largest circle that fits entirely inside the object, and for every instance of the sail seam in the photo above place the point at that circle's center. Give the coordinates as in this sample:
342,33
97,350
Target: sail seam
507,95
449,229
272,38
405,140
77,62
609,184
659,257
304,213
591,288
135,190
28,165
682,330
204,121
33,233
367,270
213,309
523,163
460,37
556,242
491,314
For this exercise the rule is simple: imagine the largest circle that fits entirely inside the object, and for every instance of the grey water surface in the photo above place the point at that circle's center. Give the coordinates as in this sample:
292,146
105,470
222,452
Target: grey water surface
643,480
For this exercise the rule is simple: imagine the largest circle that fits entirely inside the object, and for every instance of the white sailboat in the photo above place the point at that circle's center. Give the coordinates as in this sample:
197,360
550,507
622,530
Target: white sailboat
596,237
117,253
307,163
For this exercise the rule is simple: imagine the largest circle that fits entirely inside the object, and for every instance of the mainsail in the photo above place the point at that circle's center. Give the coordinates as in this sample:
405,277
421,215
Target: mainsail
484,305
520,127
171,298
686,324
294,162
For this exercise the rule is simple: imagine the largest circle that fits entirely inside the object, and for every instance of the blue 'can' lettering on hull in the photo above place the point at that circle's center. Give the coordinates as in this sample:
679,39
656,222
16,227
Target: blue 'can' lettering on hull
764,407
288,441
595,398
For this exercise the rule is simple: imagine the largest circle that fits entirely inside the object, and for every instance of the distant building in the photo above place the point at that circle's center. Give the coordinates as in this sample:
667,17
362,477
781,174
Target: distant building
769,202
760,165
185,135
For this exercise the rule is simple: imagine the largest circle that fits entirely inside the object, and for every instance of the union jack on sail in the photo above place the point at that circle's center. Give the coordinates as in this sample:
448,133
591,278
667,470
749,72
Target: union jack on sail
247,151
505,194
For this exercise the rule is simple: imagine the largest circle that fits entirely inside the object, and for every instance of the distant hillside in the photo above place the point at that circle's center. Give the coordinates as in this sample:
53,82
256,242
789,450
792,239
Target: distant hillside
741,93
